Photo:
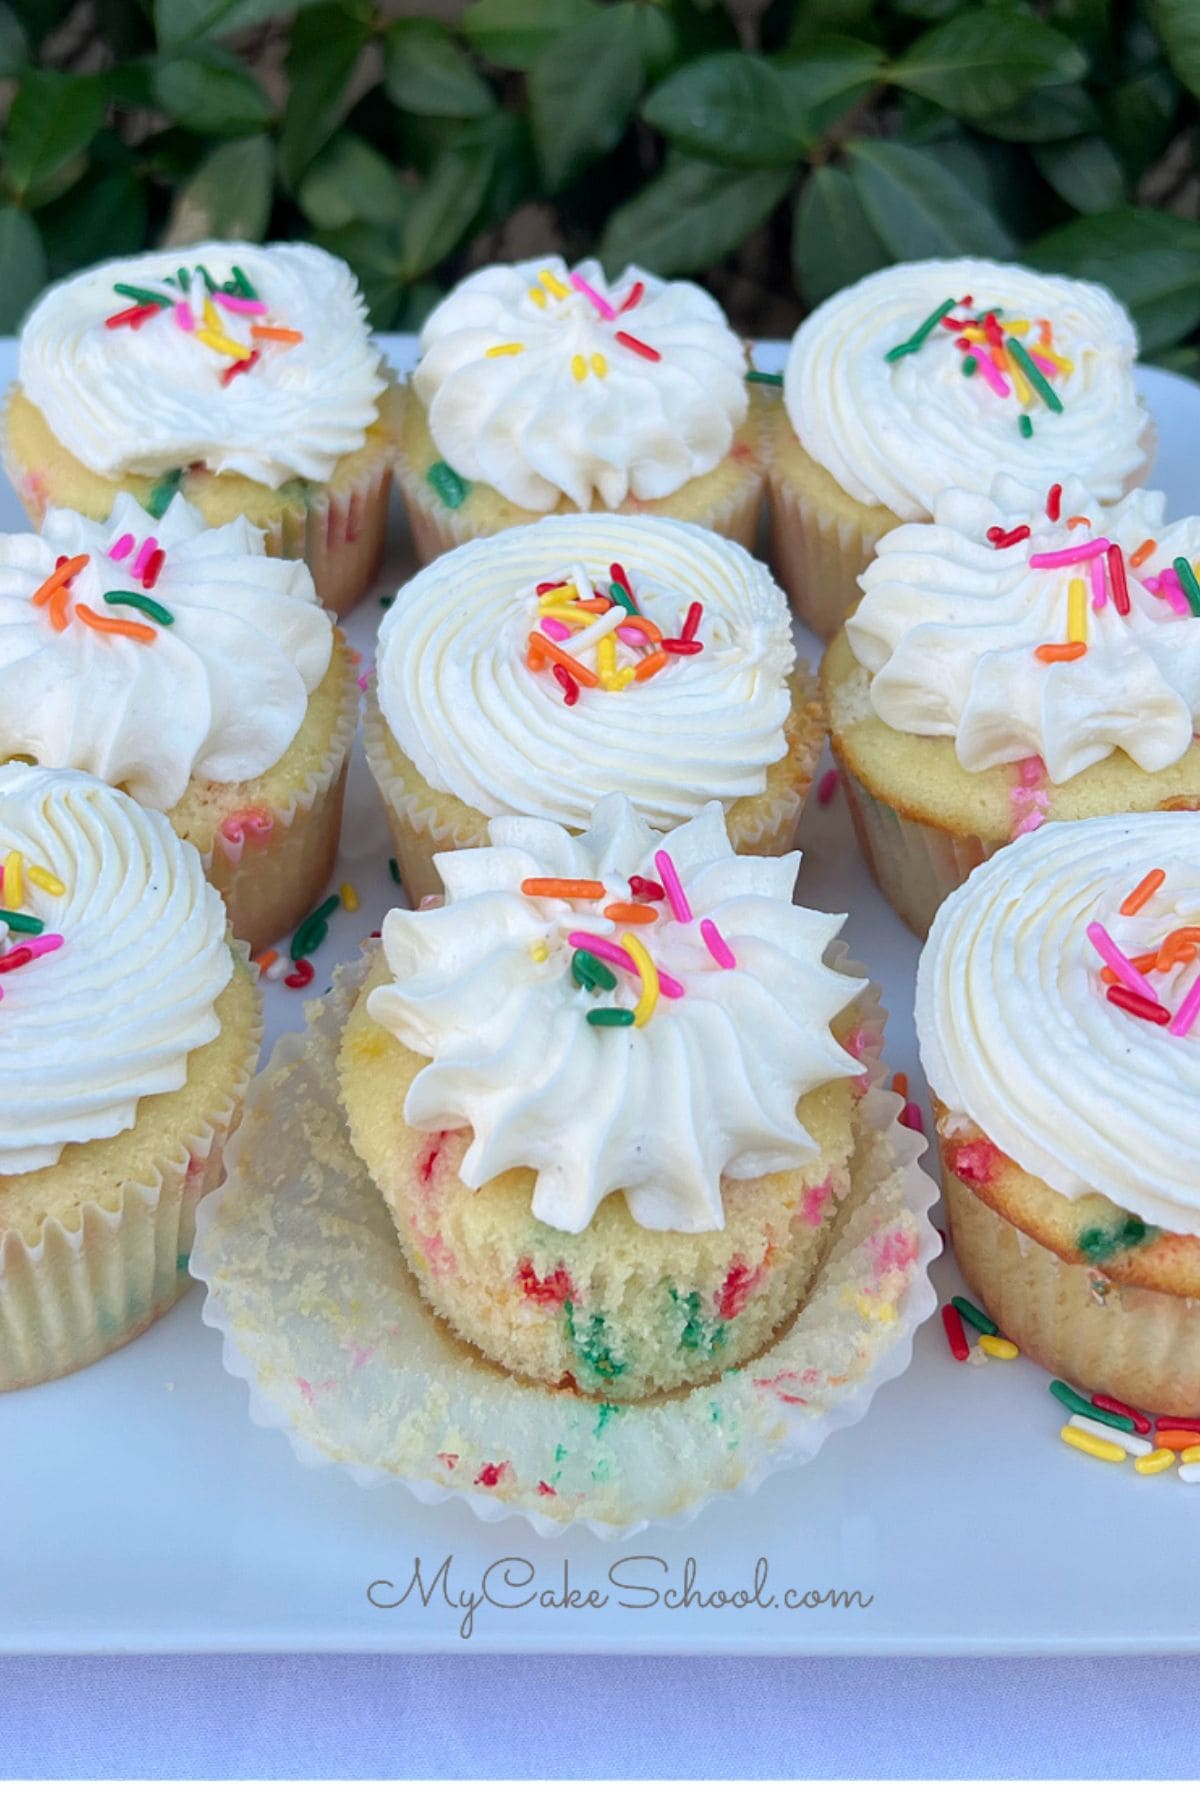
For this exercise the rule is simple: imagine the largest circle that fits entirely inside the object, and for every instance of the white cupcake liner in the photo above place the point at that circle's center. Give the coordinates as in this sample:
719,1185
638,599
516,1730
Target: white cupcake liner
319,1316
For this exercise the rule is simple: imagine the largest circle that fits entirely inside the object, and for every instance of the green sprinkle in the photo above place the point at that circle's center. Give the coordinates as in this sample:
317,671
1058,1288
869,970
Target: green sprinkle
766,380
1066,1396
610,1015
920,334
312,931
394,870
151,608
243,284
969,365
1099,1242
1037,380
163,492
143,296
973,1316
182,279
604,1412
698,1333
447,484
206,278
181,1262
1026,424
385,600
26,922
590,973
623,597
591,1344
1189,584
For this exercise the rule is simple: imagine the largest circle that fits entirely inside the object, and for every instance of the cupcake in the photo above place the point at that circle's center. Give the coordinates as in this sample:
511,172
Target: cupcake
177,662
128,1032
608,1092
244,379
1023,657
542,389
536,671
1057,1009
935,375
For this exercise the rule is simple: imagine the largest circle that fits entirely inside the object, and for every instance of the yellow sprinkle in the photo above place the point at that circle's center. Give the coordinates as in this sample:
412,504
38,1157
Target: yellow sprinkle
553,285
881,1311
599,364
1191,1454
568,591
539,951
212,317
348,895
622,679
1060,362
648,998
606,660
14,880
1077,612
537,296
1155,1461
1024,391
998,1346
505,350
579,367
570,615
1090,1444
975,334
226,346
1020,326
42,878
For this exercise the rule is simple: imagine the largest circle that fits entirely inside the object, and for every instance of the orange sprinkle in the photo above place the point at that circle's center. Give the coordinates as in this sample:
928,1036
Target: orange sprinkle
1079,519
1176,1440
649,627
60,600
651,665
53,583
1150,884
1142,552
594,606
541,650
626,913
1178,947
1054,653
145,634
548,887
900,1084
277,334
1167,960
266,959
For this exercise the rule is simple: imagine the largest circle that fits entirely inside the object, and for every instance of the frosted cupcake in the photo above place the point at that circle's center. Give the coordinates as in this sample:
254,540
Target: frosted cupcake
535,671
1023,657
544,389
614,1134
128,1033
935,375
180,664
1058,1009
244,379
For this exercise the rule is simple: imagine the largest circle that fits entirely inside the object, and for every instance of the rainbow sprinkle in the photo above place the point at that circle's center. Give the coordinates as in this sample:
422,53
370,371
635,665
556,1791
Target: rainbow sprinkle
1008,366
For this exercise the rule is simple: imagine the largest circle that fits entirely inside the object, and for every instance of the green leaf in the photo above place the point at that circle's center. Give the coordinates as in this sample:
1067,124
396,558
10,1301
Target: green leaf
1083,171
833,240
322,56
1177,23
14,51
919,208
732,108
582,91
105,215
1089,22
514,33
351,181
22,266
178,22
444,208
53,118
426,71
1045,115
987,59
829,76
690,216
228,196
1150,260
1140,115
814,19
212,93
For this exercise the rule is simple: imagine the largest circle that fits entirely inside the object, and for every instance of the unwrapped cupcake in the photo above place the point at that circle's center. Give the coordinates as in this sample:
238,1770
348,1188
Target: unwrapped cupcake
1058,1010
1026,656
547,389
244,378
935,375
536,671
129,1028
181,664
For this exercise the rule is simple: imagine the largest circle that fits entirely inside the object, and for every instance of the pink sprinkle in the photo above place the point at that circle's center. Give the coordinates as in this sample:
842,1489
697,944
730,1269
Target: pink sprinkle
236,303
992,375
122,547
621,959
554,628
1166,586
149,546
1064,559
1119,963
911,1117
718,949
585,287
1098,571
1043,363
184,317
364,680
668,874
633,633
1186,1015
827,787
813,1201
42,946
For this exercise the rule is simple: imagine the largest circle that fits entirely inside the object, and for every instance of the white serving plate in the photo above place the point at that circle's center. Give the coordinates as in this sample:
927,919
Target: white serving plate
144,1512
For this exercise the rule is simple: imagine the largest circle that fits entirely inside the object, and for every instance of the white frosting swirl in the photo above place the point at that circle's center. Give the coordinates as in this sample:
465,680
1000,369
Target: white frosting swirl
707,1087
152,399
1015,1031
567,408
93,1027
220,692
459,698
897,433
949,626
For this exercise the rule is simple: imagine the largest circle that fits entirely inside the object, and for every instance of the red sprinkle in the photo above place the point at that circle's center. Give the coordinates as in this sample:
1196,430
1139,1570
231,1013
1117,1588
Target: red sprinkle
827,787
638,348
681,646
1054,503
550,1290
491,1474
956,1337
567,683
240,368
153,568
132,316
632,297
548,587
691,624
1107,1404
15,959
1137,1004
1003,540
1116,575
1169,1423
543,1487
911,1116
643,889
736,1289
301,975
618,574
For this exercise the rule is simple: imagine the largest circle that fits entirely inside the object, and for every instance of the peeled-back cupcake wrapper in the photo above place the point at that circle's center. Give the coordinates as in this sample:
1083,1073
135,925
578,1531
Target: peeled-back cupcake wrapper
915,866
367,1379
80,1291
